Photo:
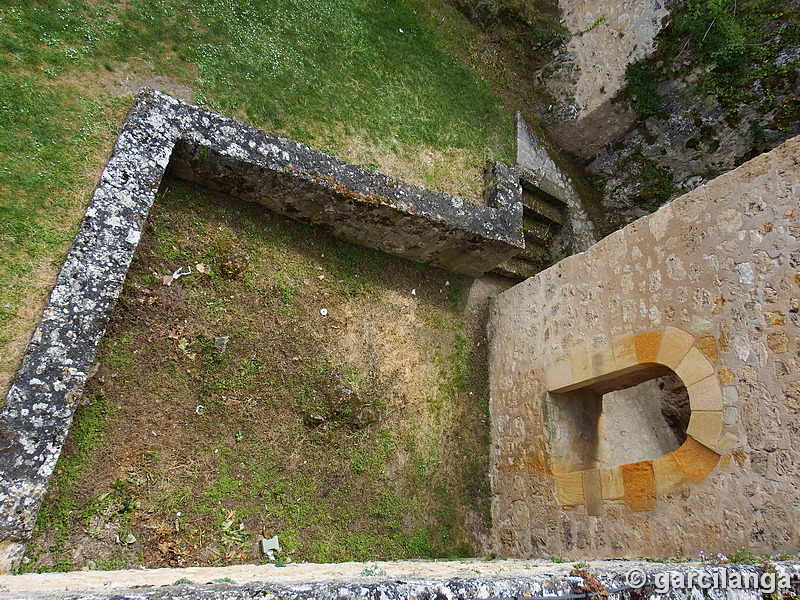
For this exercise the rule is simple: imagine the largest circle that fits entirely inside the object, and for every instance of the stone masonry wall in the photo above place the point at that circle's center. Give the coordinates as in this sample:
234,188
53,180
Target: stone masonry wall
416,580
708,287
607,35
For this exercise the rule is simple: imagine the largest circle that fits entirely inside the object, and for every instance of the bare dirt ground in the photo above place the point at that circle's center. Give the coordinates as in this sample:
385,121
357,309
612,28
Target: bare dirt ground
291,385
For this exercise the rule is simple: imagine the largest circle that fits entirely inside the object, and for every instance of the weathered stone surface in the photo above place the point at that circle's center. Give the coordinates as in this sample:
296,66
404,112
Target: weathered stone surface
675,343
407,580
704,274
640,485
536,164
593,492
706,394
668,474
607,35
705,426
569,488
354,203
40,404
694,367
695,459
611,482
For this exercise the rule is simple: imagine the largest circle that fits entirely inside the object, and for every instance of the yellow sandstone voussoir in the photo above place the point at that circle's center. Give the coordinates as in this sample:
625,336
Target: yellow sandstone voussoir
675,343
694,367
706,394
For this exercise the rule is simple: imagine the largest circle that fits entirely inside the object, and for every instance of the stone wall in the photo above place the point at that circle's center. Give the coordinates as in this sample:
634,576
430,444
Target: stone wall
607,35
535,162
357,204
707,288
418,580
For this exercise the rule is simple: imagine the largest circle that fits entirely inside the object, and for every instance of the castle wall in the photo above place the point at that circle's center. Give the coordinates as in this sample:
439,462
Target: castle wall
706,289
607,36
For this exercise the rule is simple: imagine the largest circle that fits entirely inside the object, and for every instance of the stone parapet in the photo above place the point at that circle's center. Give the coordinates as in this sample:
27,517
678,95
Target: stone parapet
421,580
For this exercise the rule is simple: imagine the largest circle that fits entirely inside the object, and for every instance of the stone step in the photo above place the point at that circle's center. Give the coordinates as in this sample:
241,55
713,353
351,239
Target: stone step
541,209
541,189
529,262
536,253
543,215
538,233
517,269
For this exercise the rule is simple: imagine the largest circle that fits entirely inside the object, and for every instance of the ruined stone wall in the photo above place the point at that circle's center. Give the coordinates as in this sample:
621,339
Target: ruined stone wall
708,288
356,204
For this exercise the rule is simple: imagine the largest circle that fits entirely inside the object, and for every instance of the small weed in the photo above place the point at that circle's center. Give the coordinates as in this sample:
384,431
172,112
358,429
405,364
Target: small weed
659,185
591,585
743,556
642,89
373,571
233,534
112,564
183,581
595,24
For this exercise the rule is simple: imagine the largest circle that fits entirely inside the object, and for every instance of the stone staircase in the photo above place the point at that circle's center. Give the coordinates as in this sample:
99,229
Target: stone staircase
543,216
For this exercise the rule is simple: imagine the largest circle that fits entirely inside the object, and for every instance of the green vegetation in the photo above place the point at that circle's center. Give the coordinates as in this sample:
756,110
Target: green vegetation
40,126
92,420
737,46
743,556
642,89
505,41
679,557
374,66
659,185
364,79
738,41
308,426
536,22
594,25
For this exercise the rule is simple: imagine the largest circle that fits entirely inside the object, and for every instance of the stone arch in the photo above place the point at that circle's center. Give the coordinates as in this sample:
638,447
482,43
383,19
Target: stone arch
630,360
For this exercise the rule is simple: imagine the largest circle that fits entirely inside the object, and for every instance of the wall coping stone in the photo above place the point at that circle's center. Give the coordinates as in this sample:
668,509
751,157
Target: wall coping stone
423,580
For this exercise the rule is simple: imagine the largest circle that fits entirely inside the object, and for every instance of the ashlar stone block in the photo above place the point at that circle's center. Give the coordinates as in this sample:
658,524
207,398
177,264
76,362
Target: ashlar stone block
569,488
694,367
675,344
705,426
706,394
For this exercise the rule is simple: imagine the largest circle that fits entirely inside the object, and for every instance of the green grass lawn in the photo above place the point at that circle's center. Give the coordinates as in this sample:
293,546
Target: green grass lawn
367,80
